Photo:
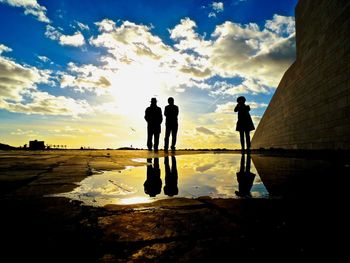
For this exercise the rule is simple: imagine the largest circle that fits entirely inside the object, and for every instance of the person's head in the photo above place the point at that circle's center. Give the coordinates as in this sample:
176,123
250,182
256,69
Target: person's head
241,100
171,101
153,101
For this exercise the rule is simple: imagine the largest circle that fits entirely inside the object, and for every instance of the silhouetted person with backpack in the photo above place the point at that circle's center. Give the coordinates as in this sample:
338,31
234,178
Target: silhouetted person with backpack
170,187
153,183
244,123
171,112
154,118
245,178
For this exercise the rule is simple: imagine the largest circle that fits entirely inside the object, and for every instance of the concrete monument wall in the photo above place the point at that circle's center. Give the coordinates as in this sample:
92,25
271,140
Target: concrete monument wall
311,106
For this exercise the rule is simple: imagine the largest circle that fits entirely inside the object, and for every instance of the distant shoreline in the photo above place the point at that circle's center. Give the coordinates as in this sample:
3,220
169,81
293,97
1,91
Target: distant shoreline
308,154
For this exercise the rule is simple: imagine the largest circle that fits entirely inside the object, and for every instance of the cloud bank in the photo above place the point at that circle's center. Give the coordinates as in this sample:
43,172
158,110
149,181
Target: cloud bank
19,91
31,7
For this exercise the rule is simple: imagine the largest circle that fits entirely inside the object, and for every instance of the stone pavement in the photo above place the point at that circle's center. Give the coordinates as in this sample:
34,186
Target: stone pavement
37,228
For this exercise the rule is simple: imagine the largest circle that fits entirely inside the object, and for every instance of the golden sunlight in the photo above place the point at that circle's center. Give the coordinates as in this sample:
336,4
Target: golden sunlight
136,200
134,85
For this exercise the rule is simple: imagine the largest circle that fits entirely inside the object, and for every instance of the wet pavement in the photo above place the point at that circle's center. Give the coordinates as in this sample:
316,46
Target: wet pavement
137,206
189,176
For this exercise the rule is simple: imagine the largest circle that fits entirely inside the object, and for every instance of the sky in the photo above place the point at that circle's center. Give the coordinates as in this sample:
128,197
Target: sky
81,73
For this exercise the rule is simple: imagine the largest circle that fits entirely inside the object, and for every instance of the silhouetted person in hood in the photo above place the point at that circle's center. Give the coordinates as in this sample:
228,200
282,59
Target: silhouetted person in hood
171,112
244,123
154,118
153,183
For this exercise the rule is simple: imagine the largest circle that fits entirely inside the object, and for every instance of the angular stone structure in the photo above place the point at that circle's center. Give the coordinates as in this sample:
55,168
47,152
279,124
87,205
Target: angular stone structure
311,106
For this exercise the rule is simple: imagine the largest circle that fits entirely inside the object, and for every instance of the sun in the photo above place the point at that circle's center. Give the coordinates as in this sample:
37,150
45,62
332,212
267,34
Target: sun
133,86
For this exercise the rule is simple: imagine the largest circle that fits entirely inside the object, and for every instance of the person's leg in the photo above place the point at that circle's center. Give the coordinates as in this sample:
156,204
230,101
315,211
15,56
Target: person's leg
166,139
241,136
149,138
173,136
156,140
247,139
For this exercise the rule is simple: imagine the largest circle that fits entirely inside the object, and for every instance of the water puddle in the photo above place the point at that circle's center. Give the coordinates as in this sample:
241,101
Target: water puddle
189,176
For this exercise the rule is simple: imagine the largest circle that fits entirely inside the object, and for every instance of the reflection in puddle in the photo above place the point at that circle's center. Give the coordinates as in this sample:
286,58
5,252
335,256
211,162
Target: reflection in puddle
189,176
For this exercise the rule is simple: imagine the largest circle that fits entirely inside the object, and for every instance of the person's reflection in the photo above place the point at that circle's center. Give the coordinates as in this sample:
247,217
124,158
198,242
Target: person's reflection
170,187
153,183
245,178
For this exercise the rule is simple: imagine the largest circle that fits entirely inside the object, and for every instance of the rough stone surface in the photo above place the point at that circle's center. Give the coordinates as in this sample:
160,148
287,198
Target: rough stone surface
311,106
310,223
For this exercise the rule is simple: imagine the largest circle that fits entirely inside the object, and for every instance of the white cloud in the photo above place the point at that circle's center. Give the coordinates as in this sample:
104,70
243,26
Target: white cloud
281,25
184,30
106,25
211,14
205,131
211,129
16,78
43,103
248,85
4,48
129,42
75,40
225,108
52,33
218,6
184,33
110,135
70,129
19,92
256,105
222,88
260,56
229,106
86,77
44,58
28,133
247,51
237,2
31,7
108,108
82,26
138,62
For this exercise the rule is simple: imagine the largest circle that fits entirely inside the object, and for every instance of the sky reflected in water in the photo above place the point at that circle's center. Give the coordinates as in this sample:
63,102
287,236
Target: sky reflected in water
189,176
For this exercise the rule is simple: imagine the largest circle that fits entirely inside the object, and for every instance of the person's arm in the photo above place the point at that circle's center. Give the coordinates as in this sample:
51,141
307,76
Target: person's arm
236,108
248,108
160,115
177,111
146,115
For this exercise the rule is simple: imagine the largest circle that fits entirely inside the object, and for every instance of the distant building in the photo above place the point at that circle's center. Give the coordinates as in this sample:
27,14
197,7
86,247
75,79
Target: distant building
36,145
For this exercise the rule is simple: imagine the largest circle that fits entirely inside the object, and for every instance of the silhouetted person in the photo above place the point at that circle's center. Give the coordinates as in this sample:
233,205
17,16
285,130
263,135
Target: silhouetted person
171,112
245,178
153,183
170,187
244,123
154,118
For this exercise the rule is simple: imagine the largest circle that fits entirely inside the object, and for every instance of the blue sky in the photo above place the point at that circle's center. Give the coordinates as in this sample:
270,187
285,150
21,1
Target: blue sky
80,73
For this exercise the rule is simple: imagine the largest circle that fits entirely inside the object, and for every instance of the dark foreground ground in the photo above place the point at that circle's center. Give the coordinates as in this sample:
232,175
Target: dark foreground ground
309,221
